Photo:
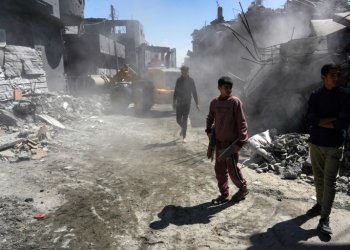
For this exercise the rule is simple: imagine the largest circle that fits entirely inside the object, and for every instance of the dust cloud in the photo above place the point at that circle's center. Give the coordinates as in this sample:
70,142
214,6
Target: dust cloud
273,68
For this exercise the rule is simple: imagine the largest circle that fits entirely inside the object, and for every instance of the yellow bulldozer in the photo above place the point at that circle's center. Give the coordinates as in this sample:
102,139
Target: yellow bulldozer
156,87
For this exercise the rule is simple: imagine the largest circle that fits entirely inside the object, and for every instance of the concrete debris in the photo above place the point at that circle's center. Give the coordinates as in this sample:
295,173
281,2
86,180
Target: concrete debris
325,27
24,108
38,153
10,140
289,158
8,119
65,105
7,154
32,143
29,136
30,148
66,108
52,121
293,39
24,155
24,133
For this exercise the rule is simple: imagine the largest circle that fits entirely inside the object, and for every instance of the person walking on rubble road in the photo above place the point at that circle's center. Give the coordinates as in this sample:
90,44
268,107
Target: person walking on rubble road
327,120
227,121
184,89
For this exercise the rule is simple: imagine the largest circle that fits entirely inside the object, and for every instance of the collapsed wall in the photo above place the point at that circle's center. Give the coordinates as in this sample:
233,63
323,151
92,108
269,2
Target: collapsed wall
226,47
273,56
276,75
21,67
31,46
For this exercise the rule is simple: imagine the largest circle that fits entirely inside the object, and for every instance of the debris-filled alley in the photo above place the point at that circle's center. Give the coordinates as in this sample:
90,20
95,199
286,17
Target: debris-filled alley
109,183
90,151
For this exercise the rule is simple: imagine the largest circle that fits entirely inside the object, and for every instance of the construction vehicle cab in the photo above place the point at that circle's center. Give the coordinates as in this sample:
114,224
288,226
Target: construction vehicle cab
157,87
163,80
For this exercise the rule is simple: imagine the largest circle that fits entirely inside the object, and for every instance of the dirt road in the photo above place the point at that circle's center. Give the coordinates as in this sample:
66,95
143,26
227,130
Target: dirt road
125,182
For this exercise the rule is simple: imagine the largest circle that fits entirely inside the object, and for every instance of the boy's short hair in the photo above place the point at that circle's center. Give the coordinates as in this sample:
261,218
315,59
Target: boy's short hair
328,67
225,80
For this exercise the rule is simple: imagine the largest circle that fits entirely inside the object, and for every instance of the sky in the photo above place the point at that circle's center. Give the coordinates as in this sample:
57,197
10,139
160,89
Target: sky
170,23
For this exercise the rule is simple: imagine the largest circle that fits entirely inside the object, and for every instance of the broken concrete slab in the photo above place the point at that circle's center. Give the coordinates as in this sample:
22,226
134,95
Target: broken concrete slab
342,18
7,153
52,121
10,140
32,145
24,155
23,68
8,119
15,56
38,153
326,27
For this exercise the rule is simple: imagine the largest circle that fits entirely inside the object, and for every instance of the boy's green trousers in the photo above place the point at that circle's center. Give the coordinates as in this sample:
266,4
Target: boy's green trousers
325,165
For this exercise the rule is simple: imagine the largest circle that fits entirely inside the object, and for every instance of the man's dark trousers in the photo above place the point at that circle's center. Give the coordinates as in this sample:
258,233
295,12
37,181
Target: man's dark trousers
182,112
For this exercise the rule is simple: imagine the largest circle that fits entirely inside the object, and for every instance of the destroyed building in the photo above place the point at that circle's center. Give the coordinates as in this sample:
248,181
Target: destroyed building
31,46
91,51
273,57
102,46
49,46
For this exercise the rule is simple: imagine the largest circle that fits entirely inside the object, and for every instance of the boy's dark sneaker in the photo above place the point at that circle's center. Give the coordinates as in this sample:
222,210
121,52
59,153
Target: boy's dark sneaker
314,211
240,195
324,227
220,200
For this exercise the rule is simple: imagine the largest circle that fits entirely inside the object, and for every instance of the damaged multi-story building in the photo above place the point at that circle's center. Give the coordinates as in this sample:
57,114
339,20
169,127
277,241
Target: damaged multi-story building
274,56
102,46
47,45
31,46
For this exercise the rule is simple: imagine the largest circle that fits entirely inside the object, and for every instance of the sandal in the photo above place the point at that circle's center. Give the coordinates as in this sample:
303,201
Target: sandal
240,195
220,200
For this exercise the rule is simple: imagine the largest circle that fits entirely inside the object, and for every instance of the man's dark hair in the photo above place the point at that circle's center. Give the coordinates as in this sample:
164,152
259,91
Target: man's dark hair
225,80
184,67
328,67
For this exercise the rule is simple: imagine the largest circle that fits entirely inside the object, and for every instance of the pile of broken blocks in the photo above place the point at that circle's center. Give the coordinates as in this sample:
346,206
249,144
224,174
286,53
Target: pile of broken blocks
289,158
28,125
28,144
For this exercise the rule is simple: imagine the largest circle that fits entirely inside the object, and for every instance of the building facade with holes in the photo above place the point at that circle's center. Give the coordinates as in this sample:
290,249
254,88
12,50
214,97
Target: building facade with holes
31,44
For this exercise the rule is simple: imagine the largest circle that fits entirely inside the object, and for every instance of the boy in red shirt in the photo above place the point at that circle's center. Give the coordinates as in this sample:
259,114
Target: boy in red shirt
227,118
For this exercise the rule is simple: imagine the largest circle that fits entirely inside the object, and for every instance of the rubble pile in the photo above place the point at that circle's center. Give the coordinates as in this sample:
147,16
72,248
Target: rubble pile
28,143
65,108
28,125
288,157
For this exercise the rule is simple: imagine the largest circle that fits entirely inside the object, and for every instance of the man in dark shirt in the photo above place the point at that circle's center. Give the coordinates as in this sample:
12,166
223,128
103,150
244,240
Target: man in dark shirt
184,89
327,120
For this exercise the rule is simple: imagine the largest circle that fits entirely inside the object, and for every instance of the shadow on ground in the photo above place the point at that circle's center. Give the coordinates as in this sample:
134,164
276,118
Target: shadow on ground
156,114
289,235
161,145
146,114
177,215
